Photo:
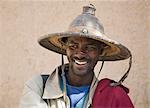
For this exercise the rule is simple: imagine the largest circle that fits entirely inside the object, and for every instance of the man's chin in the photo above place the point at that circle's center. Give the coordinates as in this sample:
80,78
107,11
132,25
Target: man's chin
80,71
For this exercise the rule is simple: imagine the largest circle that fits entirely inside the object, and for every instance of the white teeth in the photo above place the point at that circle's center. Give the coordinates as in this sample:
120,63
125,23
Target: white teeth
80,63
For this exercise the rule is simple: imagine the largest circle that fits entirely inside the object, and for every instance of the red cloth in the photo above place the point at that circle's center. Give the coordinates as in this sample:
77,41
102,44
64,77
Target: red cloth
107,96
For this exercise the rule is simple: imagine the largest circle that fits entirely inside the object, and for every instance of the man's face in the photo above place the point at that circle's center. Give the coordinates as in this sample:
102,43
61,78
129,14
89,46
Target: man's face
82,54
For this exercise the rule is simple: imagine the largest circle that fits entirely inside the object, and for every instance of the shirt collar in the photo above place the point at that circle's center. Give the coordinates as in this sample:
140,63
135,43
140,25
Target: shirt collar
52,88
92,90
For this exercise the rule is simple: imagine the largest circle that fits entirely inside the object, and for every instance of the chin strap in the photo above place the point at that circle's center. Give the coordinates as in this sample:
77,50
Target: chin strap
100,69
63,78
124,76
98,74
62,59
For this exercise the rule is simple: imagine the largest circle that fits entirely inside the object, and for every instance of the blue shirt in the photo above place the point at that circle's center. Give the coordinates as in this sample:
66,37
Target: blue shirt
77,95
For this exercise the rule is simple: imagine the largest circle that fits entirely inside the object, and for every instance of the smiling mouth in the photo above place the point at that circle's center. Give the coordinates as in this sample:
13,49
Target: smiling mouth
80,62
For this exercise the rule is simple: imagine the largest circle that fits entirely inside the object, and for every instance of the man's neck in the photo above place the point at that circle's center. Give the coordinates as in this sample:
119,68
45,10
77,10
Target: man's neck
76,80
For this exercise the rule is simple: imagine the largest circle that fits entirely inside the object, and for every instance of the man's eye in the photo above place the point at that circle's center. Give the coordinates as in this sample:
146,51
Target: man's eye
91,47
72,46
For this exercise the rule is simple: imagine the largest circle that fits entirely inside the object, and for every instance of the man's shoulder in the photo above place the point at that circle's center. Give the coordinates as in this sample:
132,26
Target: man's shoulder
111,96
105,90
35,81
107,84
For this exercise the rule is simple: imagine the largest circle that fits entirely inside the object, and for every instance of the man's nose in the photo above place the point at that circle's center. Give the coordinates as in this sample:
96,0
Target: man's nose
82,50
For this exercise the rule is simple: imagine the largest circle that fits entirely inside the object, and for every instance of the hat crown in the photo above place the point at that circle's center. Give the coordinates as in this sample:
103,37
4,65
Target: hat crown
87,20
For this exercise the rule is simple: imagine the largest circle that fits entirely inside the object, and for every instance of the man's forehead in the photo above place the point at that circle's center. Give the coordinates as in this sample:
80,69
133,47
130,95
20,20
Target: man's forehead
82,39
85,41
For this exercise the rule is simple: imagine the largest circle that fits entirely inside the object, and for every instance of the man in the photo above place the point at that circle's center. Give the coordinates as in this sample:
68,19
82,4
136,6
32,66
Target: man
74,85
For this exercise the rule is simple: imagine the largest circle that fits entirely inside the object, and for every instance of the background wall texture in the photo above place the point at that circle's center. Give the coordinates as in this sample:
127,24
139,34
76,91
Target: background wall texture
22,23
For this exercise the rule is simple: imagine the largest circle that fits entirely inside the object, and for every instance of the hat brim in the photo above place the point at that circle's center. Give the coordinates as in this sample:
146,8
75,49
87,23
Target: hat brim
114,51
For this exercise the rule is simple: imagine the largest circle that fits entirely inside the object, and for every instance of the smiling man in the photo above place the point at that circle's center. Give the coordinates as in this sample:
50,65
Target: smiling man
74,85
83,55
